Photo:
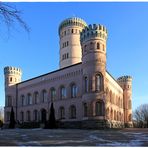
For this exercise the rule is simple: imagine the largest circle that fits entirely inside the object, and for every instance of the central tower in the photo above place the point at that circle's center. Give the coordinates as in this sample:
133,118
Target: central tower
70,48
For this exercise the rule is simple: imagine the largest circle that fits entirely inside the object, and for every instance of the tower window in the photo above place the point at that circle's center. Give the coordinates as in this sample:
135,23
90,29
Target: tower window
98,45
72,31
98,79
103,47
10,79
64,32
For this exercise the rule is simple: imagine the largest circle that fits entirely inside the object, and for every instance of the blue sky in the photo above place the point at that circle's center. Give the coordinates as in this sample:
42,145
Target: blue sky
38,52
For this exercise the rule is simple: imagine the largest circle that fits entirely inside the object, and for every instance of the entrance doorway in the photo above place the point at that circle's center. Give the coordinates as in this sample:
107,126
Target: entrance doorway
43,115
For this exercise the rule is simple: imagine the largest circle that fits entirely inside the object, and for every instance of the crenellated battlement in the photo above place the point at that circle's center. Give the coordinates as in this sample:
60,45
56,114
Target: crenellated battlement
93,31
124,79
12,70
72,21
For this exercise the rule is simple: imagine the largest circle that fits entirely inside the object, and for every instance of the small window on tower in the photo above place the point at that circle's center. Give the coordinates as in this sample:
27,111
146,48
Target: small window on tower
72,31
10,79
98,45
67,55
103,47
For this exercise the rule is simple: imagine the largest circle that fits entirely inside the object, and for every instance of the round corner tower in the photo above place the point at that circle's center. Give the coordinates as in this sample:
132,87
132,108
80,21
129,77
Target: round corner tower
126,83
13,75
70,48
93,42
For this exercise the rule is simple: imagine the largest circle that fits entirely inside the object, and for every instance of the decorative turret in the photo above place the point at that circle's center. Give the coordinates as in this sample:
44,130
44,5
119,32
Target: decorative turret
126,83
12,75
70,48
93,41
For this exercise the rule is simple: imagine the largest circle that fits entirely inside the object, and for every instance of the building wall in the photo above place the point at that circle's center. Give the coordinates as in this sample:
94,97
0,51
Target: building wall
107,105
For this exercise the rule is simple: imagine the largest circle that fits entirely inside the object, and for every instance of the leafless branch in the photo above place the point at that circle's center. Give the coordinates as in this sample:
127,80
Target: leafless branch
9,15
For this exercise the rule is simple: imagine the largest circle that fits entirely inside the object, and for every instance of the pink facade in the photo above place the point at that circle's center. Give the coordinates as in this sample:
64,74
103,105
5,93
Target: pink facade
81,92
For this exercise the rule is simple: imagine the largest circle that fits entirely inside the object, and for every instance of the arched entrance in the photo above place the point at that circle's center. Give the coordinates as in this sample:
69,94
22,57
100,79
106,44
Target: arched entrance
43,115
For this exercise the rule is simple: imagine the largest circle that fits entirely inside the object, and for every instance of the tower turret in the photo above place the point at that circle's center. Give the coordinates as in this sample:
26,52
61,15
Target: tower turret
12,75
126,83
93,42
70,48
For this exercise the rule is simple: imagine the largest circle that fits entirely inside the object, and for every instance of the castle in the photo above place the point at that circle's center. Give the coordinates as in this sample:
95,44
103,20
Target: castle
83,92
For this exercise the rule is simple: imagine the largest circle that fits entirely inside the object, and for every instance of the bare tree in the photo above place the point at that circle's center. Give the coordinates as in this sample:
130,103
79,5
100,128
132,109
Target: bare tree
141,115
10,15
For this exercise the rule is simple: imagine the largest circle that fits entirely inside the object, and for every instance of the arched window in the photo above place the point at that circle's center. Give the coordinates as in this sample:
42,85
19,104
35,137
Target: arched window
9,101
115,115
10,79
72,112
28,116
103,47
85,84
107,113
98,78
130,117
53,93
29,99
22,100
61,113
36,98
74,91
85,48
99,108
98,45
22,116
91,45
107,94
44,96
72,31
129,104
35,115
111,114
62,92
85,110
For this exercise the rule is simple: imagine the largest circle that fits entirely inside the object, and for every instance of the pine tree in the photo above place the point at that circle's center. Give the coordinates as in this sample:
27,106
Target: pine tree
12,119
51,124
